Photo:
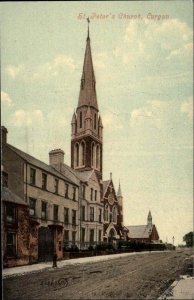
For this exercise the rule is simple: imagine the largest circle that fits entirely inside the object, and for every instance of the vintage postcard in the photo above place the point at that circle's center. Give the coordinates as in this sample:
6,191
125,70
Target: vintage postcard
97,153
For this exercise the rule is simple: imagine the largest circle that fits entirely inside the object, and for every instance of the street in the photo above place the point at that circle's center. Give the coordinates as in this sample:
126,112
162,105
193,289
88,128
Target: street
132,277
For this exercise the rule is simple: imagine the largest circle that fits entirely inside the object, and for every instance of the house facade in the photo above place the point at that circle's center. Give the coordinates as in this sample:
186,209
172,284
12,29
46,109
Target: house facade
51,197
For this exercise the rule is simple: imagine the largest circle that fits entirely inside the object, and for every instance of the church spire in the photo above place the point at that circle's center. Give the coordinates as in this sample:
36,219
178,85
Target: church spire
119,193
149,219
87,95
88,37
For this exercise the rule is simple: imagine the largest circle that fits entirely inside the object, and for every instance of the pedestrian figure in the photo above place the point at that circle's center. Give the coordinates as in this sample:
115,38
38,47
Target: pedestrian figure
55,260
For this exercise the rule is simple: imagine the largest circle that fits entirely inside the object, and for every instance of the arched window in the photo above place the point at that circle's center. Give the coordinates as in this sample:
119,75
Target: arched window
93,155
95,121
82,158
114,214
106,213
80,119
98,157
76,155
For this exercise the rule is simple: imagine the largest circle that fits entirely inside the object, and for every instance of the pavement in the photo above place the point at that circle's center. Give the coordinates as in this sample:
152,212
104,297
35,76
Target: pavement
183,288
19,271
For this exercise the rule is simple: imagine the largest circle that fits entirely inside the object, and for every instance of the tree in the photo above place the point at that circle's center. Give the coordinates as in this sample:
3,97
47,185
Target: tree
188,238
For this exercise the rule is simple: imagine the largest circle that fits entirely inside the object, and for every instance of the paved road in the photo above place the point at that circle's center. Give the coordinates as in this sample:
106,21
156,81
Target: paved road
133,277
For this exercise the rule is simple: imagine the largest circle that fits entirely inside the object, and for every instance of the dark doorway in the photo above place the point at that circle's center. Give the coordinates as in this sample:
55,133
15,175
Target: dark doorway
111,236
45,244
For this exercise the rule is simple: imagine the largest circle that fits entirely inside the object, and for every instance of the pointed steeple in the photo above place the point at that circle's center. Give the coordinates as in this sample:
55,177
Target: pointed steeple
73,120
100,122
149,219
119,193
87,95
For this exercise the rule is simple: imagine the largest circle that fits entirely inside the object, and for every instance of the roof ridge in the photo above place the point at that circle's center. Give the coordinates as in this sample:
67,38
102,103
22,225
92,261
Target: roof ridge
27,157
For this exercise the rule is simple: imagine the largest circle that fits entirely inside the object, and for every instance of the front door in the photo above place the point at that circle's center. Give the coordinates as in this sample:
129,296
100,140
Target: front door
111,236
45,244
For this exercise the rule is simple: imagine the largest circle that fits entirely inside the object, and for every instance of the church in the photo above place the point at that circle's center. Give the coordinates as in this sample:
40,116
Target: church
50,207
144,233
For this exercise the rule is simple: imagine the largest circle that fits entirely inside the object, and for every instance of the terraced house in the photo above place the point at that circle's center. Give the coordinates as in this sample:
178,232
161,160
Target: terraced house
66,205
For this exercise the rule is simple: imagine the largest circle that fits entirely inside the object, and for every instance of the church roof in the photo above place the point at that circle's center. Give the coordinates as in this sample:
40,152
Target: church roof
9,196
139,231
76,175
105,185
87,94
38,163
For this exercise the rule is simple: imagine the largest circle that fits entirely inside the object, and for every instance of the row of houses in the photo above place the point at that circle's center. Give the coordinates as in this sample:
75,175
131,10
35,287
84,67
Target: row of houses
47,208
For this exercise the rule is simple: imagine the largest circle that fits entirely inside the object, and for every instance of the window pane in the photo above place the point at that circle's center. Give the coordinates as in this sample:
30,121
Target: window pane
66,215
11,244
73,237
55,212
32,176
44,180
83,213
66,190
43,212
56,185
83,235
66,235
32,206
10,214
91,214
91,235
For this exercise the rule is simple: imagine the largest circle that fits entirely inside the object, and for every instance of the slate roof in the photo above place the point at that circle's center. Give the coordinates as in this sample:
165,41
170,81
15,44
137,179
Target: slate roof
76,175
138,231
36,162
8,196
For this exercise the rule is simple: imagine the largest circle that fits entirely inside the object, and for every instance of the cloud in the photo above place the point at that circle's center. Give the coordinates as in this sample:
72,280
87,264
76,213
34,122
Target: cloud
187,108
58,64
111,121
155,41
24,118
5,98
14,71
100,59
154,112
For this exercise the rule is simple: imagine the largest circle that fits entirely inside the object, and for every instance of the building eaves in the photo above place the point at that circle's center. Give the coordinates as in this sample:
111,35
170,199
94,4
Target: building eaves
9,196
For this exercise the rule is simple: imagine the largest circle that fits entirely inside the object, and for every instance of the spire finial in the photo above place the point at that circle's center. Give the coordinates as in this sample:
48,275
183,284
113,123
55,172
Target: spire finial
88,37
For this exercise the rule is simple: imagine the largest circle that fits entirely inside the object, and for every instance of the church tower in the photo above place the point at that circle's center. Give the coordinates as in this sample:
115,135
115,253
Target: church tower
86,131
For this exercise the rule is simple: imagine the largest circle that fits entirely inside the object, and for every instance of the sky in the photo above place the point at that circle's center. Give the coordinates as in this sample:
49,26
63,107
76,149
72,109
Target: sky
142,56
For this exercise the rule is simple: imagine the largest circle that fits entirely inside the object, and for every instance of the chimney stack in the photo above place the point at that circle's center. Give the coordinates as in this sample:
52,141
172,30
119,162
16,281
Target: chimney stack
56,157
4,135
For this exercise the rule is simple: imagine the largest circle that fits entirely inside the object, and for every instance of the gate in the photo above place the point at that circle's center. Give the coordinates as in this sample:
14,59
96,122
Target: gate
45,244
